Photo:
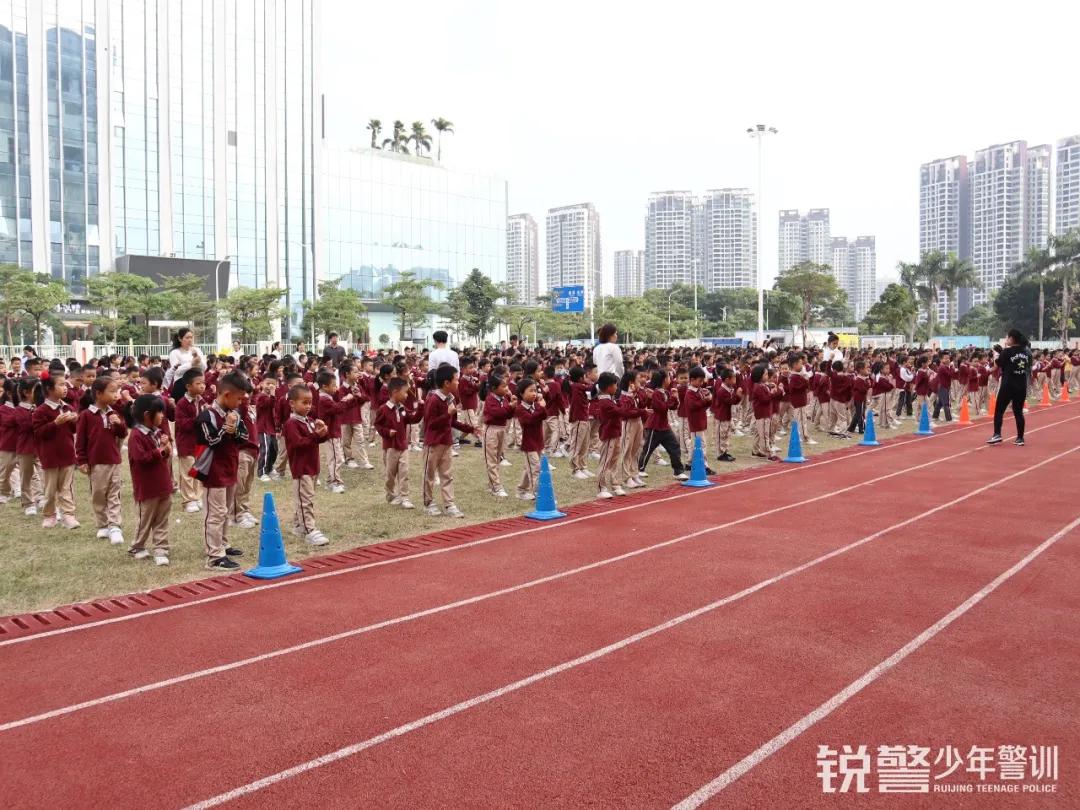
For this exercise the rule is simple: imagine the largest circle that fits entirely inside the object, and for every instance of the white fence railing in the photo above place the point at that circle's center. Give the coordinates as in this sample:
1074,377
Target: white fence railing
63,352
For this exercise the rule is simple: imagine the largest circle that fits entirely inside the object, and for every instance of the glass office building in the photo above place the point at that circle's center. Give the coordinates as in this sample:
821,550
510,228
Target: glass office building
385,213
188,129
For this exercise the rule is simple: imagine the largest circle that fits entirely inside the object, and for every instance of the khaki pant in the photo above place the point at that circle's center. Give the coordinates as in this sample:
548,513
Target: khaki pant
333,459
632,439
551,435
530,475
240,503
352,443
367,417
396,463
594,435
579,444
723,437
190,488
153,528
691,440
304,508
105,494
30,476
282,457
761,437
608,474
59,495
216,521
840,416
801,415
494,448
8,467
513,433
680,427
883,417
437,461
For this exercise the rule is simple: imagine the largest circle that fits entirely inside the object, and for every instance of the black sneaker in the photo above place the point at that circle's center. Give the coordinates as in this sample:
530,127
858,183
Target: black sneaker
477,444
995,439
1019,442
234,552
710,471
726,457
222,564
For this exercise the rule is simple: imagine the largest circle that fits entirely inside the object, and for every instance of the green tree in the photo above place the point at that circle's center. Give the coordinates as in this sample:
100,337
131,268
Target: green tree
472,305
442,125
1066,271
420,137
184,298
815,288
911,280
409,299
894,312
337,310
957,274
253,311
120,296
375,125
398,142
518,318
10,274
37,295
981,320
1036,264
930,274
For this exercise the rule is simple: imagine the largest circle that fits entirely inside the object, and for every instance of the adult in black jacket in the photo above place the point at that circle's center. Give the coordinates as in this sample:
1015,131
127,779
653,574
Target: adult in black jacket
1014,360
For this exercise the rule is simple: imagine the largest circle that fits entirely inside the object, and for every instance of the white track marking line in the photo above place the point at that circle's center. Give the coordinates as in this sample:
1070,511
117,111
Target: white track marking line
793,731
357,631
472,600
458,708
474,543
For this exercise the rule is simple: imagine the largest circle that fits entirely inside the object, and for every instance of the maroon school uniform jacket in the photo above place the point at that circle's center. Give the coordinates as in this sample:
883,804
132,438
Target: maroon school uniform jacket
944,376
882,385
554,397
469,392
302,446
631,406
390,417
217,453
840,386
96,441
266,414
55,443
821,387
763,399
860,386
352,415
723,400
579,401
24,430
660,404
609,416
186,412
330,410
438,423
497,410
9,427
531,418
798,389
922,383
151,476
696,408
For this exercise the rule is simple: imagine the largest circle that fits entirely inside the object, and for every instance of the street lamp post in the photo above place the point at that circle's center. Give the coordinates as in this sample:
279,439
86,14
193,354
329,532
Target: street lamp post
758,132
224,336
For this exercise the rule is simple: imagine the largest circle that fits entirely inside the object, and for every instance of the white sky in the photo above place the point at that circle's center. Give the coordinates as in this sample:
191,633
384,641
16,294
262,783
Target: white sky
608,101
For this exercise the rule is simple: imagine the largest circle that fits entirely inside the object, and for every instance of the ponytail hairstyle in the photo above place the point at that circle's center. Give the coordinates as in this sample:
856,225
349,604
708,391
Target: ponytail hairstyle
627,378
28,388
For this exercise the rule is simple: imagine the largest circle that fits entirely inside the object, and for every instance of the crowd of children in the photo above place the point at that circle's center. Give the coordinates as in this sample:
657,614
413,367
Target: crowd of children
221,427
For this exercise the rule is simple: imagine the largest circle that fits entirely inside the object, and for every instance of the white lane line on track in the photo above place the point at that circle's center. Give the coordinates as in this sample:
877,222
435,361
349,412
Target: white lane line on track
793,731
458,708
474,543
357,631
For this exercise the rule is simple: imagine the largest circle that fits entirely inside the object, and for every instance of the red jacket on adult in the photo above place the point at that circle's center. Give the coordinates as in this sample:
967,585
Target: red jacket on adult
302,446
55,443
438,424
391,422
531,418
151,476
96,441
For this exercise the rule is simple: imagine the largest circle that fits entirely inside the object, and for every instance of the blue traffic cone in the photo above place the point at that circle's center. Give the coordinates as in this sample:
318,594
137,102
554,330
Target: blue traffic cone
924,422
545,496
697,467
272,562
870,436
794,445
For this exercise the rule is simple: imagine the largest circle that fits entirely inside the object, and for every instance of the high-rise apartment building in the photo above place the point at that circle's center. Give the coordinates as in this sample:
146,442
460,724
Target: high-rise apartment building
804,238
669,239
629,273
854,266
945,215
573,249
728,239
523,258
1067,185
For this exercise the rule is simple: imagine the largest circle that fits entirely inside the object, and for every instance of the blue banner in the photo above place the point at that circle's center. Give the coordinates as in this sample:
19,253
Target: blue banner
568,299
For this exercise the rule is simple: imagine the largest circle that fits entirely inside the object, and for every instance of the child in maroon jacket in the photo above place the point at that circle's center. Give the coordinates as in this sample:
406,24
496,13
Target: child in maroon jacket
303,436
240,514
283,412
440,419
54,435
9,404
579,421
352,419
610,418
880,386
469,394
499,406
188,408
392,421
764,395
530,413
98,434
726,395
331,406
266,423
26,459
860,387
696,409
150,460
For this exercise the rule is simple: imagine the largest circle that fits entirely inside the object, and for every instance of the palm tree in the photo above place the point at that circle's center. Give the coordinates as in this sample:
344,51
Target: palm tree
930,272
957,274
442,125
1037,264
398,140
911,280
375,125
420,137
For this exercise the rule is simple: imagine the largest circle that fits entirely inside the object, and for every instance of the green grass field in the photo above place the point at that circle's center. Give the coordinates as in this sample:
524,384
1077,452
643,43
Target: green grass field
45,568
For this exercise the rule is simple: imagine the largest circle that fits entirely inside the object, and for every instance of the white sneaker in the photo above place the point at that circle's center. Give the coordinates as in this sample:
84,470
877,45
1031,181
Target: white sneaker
30,511
582,475
161,559
594,456
191,507
604,495
395,501
433,511
781,433
247,522
501,493
367,466
69,522
454,512
505,463
811,441
116,537
5,498
265,479
683,476
338,489
739,433
275,476
407,504
661,461
774,449
371,444
551,466
635,483
589,473
103,533
417,448
619,491
316,538
352,465
526,496
141,554
558,454
454,453
642,474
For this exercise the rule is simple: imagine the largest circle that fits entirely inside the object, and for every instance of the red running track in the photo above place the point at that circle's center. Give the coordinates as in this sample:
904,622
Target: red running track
693,649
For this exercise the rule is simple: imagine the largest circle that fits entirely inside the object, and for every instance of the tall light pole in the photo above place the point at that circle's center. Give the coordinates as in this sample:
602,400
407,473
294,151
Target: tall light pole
224,336
758,132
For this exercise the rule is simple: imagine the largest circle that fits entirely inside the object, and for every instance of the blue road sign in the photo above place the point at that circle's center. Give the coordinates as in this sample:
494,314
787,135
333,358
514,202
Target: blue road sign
568,299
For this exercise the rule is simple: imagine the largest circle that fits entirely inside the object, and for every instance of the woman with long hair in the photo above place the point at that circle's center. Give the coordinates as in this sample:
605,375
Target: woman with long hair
184,355
1014,360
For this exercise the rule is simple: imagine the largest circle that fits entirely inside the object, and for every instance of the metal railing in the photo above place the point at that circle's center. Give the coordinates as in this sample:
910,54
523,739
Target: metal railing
63,351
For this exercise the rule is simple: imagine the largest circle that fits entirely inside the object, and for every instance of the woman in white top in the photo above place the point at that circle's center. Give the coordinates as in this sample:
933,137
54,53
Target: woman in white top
832,352
185,355
607,355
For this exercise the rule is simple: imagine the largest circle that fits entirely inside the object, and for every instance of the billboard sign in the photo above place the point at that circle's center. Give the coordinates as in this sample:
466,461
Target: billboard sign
568,299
